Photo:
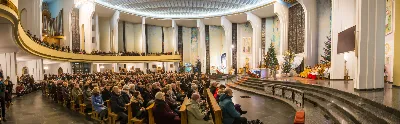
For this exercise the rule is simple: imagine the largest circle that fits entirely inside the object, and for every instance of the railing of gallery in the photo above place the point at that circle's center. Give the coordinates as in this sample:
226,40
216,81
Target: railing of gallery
10,4
293,94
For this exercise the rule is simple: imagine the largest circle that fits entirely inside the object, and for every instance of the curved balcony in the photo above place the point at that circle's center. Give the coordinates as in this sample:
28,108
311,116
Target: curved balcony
9,12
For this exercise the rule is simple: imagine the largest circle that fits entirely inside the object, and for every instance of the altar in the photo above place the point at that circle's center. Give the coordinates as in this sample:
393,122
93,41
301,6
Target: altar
263,72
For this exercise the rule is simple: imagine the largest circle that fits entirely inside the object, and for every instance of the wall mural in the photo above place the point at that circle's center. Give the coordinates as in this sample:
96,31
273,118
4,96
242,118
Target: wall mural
75,30
194,45
207,30
180,42
389,15
234,43
263,36
246,45
296,29
276,34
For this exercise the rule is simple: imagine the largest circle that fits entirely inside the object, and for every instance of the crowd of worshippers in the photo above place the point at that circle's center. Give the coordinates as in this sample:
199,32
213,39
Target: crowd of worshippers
26,84
166,90
94,52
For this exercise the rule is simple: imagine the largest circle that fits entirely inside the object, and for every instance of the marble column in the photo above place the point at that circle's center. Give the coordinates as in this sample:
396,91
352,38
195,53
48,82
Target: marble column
310,38
227,25
202,46
144,45
396,63
370,37
256,44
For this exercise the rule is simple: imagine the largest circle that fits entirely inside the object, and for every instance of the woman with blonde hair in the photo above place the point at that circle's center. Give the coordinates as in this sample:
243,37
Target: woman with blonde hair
98,103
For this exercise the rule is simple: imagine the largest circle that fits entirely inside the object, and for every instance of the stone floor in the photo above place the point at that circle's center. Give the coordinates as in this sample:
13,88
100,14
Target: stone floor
265,109
35,109
389,96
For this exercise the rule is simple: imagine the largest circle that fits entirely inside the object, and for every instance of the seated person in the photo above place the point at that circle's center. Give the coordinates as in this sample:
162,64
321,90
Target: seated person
87,94
20,89
118,105
76,91
162,112
195,114
229,114
98,103
137,101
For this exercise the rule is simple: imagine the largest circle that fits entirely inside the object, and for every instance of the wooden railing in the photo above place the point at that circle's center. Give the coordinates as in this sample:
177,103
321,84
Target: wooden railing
215,109
182,110
10,4
150,113
131,118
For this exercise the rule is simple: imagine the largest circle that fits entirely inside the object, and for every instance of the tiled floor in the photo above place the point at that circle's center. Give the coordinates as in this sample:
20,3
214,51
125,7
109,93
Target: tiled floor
35,109
389,96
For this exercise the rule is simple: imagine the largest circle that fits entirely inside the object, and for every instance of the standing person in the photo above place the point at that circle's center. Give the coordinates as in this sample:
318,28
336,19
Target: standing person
8,93
2,99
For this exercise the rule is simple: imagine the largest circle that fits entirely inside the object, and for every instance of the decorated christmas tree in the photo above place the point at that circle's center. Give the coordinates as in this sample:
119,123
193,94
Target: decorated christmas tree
270,60
326,58
287,64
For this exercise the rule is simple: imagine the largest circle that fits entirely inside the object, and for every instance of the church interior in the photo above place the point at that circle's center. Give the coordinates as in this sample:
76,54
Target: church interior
199,61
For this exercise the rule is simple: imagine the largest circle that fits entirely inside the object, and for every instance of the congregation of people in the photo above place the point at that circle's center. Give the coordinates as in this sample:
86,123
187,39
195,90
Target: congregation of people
166,91
94,52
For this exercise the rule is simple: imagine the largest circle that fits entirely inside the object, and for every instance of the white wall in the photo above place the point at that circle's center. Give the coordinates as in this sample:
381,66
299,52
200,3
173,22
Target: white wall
133,36
35,68
244,31
33,17
8,65
168,40
104,31
154,38
135,65
217,42
86,12
227,25
324,9
53,68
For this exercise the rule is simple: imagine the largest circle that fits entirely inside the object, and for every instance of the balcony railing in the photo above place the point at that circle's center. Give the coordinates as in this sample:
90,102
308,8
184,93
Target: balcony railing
9,4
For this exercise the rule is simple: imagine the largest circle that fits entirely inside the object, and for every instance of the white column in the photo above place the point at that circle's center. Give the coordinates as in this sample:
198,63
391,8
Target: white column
310,39
114,27
202,41
175,36
227,25
282,11
144,34
86,11
370,35
343,17
8,66
256,44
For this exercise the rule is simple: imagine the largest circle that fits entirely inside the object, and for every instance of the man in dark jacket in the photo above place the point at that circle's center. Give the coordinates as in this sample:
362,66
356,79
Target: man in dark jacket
163,114
2,99
106,93
229,114
118,105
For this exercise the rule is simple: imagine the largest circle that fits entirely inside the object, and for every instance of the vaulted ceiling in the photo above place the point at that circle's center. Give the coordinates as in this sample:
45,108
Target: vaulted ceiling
172,9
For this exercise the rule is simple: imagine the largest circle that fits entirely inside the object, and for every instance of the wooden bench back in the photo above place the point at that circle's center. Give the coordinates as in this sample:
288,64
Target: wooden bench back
182,110
130,114
215,109
150,113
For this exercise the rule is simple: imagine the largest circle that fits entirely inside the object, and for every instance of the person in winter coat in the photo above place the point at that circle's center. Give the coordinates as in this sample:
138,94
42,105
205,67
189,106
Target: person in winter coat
195,114
76,91
162,112
98,103
118,105
229,113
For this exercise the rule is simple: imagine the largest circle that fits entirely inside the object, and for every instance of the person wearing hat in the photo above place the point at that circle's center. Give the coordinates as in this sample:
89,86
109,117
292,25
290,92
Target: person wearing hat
162,112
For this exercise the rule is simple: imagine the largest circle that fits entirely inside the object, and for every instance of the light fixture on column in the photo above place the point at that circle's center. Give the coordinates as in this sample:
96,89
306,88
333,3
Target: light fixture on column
232,46
102,66
45,67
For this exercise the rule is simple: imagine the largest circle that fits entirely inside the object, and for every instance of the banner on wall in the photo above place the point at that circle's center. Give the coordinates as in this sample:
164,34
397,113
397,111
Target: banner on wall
246,45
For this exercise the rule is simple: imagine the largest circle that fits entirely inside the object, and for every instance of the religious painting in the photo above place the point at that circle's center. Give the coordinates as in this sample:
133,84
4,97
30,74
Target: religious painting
171,65
389,17
246,45
194,46
276,34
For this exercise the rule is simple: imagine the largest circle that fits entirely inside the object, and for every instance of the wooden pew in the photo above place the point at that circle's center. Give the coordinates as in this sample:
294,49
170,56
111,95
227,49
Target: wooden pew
131,119
150,113
215,109
95,115
182,110
82,106
112,117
